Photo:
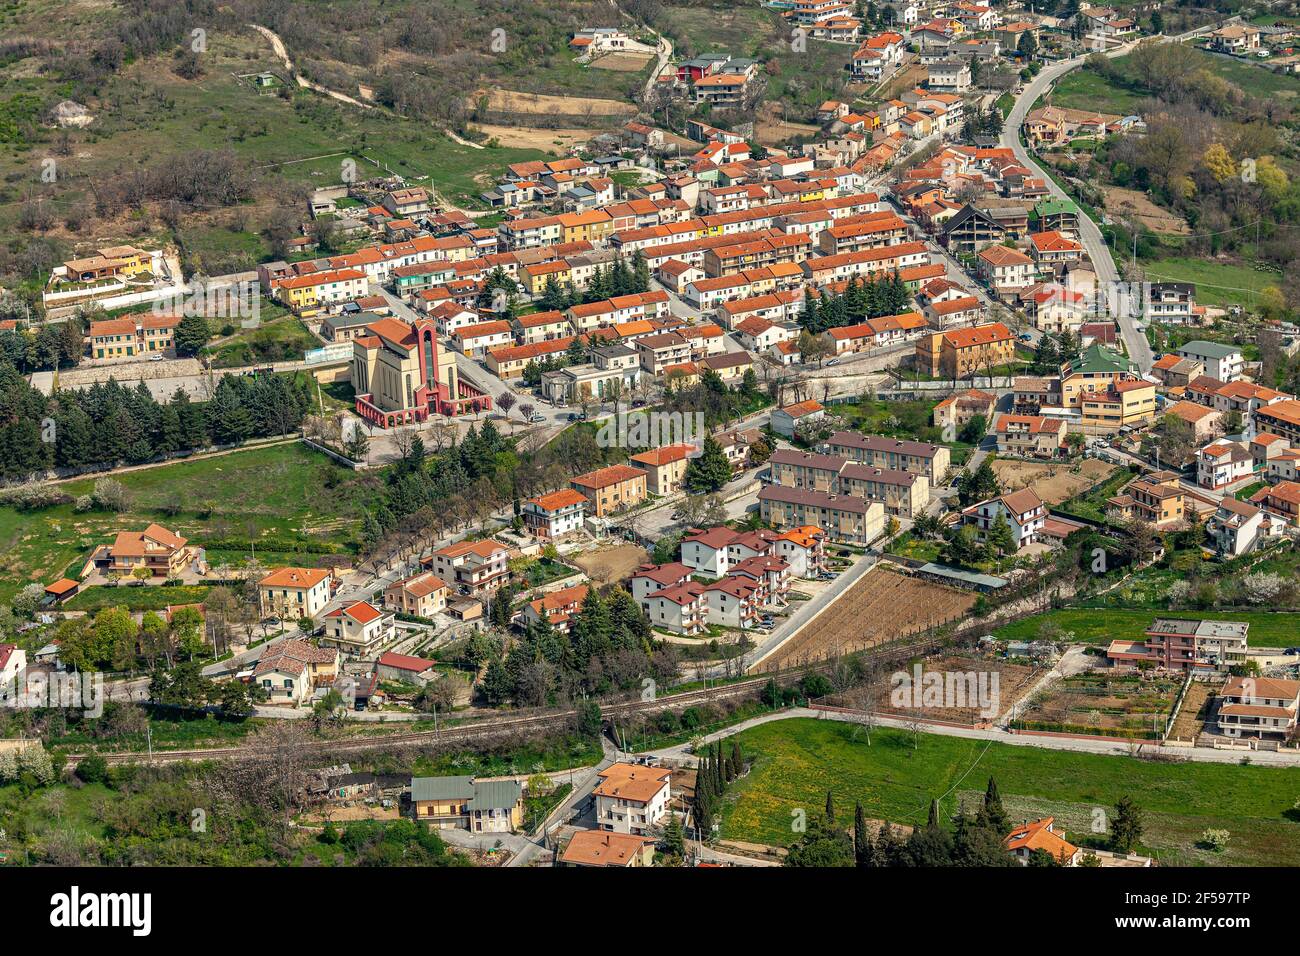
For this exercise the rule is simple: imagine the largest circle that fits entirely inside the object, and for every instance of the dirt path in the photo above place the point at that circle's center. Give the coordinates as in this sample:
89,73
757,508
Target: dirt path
278,46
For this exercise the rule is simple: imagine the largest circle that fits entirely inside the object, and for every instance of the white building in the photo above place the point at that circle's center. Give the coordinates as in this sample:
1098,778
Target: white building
631,798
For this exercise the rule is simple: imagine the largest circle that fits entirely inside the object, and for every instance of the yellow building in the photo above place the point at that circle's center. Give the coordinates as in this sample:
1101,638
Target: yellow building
592,226
132,336
1128,403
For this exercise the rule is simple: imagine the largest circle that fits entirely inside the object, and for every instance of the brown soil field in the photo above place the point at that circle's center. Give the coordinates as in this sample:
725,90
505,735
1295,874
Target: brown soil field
882,606
774,132
1014,681
530,137
608,565
1130,203
1054,482
508,101
622,62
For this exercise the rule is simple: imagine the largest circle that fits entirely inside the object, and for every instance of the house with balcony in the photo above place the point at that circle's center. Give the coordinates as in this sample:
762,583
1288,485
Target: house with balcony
631,798
161,552
357,629
1173,644
291,670
680,608
1023,511
463,803
1258,707
1158,500
1224,465
472,567
1031,436
611,489
294,593
423,594
554,515
1236,527
556,608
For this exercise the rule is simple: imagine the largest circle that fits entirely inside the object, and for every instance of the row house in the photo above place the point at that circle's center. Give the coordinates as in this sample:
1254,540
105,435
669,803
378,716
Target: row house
871,232
842,517
866,262
512,361
891,454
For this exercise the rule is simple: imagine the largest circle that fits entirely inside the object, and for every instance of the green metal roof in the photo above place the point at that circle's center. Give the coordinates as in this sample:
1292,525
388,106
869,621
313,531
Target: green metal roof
1053,207
495,795
1097,359
1211,349
442,788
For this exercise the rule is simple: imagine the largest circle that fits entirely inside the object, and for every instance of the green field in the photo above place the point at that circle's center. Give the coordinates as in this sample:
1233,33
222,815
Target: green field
276,494
282,339
797,761
1102,625
1217,283
1085,90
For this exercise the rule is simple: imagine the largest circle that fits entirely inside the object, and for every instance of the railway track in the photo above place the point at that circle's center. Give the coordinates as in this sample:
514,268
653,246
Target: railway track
486,727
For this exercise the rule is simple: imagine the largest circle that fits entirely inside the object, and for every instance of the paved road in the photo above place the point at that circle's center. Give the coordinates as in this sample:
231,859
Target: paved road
1107,746
807,610
1135,341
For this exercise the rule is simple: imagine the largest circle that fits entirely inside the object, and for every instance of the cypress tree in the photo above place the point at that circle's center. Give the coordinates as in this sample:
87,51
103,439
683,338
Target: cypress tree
862,848
830,810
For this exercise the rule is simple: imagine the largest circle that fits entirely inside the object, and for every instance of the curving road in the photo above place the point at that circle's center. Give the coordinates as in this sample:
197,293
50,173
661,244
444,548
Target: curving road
1139,349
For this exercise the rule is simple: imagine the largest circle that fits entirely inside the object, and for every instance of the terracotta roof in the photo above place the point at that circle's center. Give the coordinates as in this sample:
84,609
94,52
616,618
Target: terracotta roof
294,578
604,477
404,662
420,585
602,848
564,498
665,455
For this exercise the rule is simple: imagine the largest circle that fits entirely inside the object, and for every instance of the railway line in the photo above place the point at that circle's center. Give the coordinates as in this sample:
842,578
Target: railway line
484,728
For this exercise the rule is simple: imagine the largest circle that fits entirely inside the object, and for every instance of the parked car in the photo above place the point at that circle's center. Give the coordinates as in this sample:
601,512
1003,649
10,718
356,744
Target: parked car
537,417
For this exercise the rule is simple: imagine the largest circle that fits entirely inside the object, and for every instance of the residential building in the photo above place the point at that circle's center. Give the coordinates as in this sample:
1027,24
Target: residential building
603,848
423,594
132,336
1281,500
294,593
1281,419
1006,269
1128,403
557,607
631,798
1158,500
1258,707
161,552
290,670
556,514
1174,644
1224,465
1042,836
680,608
665,467
894,454
842,517
963,353
1032,436
1236,527
405,669
785,420
611,489
1023,511
357,629
472,567
1224,362
955,412
463,803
